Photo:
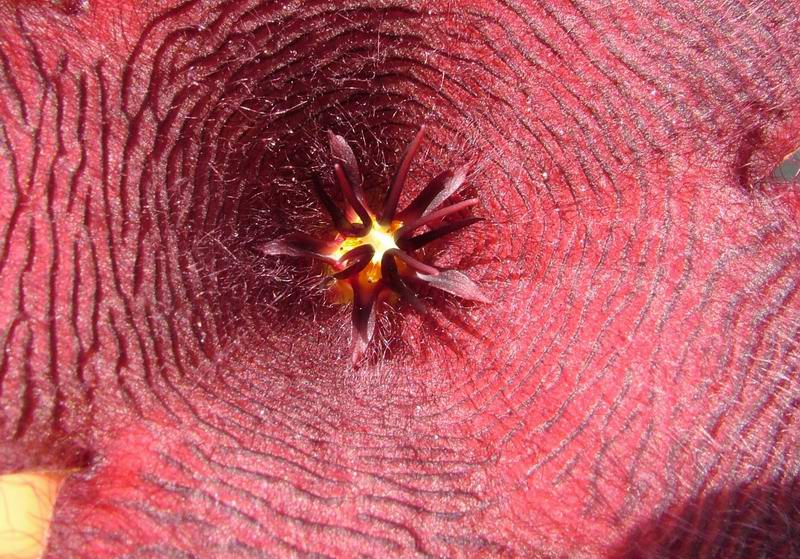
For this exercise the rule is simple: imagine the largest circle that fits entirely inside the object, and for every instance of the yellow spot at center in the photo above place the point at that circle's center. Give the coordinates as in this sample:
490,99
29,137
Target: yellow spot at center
381,238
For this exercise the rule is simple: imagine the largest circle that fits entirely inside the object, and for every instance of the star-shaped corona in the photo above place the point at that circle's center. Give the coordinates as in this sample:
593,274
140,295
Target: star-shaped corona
370,257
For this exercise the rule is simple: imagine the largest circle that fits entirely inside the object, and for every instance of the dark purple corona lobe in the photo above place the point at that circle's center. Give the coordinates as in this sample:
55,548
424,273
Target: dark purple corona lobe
371,252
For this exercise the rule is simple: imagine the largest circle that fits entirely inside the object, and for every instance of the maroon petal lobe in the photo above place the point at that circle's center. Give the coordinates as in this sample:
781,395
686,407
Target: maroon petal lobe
407,229
423,200
420,241
412,262
449,188
337,217
456,283
359,257
355,203
390,205
299,244
363,320
392,277
342,153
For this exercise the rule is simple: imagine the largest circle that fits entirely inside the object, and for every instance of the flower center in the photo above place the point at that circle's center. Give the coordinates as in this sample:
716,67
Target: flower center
381,238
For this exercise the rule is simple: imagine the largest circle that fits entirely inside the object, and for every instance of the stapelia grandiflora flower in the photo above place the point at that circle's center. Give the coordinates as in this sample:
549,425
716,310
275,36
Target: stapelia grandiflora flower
370,257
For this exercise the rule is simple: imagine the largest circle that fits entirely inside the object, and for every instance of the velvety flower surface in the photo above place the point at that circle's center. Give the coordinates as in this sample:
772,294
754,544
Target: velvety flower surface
631,390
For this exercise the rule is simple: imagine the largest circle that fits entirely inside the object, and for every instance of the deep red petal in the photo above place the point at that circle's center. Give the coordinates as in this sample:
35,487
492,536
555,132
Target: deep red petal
449,188
423,200
359,257
455,283
337,217
407,229
352,199
412,262
344,155
392,277
390,206
299,244
420,241
363,320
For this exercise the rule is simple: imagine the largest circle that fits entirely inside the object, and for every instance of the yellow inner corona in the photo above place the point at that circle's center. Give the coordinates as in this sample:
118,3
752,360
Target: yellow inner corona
381,238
